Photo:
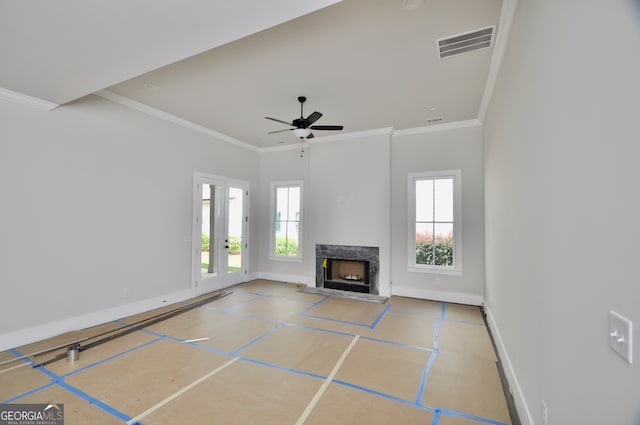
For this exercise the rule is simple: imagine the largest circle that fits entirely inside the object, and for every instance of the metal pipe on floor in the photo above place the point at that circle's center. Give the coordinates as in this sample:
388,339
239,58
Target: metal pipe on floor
135,327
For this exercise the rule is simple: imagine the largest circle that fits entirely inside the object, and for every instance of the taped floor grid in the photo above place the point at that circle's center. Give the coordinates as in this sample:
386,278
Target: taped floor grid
268,354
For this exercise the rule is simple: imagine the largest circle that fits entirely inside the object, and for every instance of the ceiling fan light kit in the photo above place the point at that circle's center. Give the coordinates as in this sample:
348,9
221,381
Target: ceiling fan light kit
301,132
302,126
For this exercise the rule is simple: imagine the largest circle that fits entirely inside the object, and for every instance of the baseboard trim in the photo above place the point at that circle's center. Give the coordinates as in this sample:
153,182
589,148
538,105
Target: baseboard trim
427,294
518,397
38,333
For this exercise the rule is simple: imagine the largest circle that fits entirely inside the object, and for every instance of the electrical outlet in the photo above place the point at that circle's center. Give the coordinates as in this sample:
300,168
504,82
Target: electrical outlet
621,335
544,413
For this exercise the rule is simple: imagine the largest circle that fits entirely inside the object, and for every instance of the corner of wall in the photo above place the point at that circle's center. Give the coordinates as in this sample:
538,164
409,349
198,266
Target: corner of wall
514,385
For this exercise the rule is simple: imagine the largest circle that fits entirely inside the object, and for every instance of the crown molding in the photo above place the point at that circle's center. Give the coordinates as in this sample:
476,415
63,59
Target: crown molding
332,138
437,127
287,147
384,131
26,100
378,132
139,106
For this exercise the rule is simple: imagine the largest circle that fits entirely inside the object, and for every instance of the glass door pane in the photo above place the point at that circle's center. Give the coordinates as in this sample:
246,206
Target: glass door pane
209,251
235,221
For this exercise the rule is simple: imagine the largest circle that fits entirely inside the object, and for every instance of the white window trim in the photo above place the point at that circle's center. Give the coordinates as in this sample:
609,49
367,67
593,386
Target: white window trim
272,216
456,270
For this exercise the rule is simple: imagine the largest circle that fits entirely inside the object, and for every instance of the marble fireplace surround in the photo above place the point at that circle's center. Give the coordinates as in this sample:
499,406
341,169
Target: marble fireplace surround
349,252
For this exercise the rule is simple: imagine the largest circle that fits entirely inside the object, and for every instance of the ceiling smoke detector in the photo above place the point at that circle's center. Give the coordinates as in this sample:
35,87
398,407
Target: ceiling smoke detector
466,42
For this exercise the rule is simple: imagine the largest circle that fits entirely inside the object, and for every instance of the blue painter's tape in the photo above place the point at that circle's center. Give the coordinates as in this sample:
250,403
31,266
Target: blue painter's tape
287,369
450,412
400,344
257,297
208,348
250,343
42,369
442,310
313,305
363,325
143,330
384,341
58,380
425,374
95,401
248,316
174,338
382,313
313,328
28,393
436,417
89,366
251,316
381,394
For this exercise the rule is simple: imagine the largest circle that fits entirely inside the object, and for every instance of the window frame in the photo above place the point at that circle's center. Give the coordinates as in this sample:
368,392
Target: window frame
456,175
273,215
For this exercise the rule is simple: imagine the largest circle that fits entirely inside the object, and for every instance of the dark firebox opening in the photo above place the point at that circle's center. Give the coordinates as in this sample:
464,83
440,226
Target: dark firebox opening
347,275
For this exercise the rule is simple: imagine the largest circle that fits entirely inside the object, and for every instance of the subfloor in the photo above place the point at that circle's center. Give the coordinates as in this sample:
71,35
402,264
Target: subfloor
275,356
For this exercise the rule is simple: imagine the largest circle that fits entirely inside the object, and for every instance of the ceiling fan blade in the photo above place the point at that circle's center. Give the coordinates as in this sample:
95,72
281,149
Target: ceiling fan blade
310,136
314,117
326,127
281,131
280,121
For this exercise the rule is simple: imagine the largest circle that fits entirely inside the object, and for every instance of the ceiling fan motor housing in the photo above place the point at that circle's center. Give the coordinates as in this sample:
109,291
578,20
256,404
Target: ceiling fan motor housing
304,125
300,123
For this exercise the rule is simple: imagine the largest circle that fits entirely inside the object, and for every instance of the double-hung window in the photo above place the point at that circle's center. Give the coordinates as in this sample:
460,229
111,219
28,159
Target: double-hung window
434,222
286,219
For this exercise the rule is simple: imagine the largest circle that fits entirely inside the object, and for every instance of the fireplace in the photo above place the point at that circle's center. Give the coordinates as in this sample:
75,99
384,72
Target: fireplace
348,268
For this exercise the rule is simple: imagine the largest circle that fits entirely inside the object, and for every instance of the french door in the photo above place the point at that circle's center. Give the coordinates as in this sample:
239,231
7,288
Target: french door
220,240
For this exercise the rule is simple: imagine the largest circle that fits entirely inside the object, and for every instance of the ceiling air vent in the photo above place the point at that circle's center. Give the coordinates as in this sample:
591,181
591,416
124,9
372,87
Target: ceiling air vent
461,43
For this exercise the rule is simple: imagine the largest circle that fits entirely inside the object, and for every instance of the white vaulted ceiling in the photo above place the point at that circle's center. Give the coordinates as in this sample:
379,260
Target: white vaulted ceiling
225,65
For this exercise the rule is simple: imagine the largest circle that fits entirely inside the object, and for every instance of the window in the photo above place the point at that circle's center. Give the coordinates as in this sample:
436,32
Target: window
287,220
434,222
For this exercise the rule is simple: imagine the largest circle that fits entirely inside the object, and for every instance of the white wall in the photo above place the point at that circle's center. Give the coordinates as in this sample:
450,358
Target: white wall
458,148
355,193
346,201
562,201
283,165
350,197
96,200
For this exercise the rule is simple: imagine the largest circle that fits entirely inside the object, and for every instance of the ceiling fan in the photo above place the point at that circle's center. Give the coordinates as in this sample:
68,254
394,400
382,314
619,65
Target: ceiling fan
303,126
